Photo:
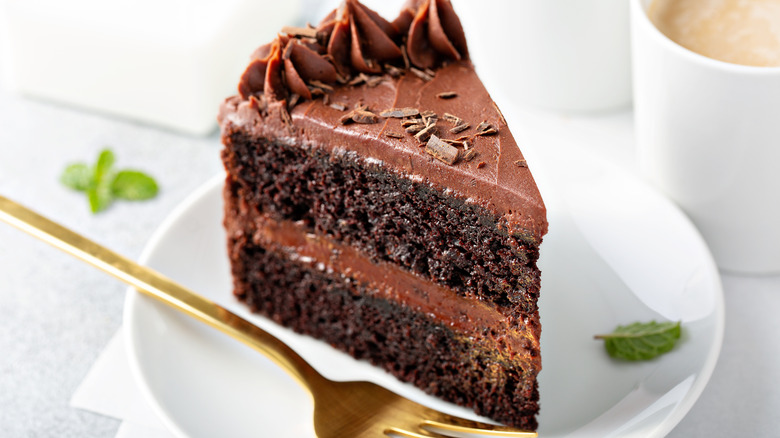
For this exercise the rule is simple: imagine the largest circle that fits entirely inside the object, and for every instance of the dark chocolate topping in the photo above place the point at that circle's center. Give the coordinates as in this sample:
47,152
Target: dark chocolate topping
435,34
358,39
492,180
352,40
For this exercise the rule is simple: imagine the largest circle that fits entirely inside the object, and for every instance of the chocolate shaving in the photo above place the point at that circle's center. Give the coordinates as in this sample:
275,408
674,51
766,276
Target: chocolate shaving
426,133
393,71
305,32
393,134
410,122
363,116
359,79
429,117
486,128
326,99
415,128
441,150
399,113
468,155
316,91
447,95
373,81
430,72
321,85
452,118
460,128
421,74
481,165
521,163
338,106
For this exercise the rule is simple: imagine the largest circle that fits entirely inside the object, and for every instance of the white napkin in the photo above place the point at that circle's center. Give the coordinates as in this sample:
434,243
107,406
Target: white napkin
110,389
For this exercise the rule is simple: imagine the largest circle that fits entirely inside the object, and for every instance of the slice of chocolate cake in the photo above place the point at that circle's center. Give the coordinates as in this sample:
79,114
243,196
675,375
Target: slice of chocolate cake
376,199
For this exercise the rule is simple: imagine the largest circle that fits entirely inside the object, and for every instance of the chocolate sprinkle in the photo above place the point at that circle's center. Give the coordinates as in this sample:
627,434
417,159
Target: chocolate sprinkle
399,113
486,128
393,71
441,150
468,155
452,118
460,128
415,128
421,74
363,116
321,85
447,95
426,133
373,81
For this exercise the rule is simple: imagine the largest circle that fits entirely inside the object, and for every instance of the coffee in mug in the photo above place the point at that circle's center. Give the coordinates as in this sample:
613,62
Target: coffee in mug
743,32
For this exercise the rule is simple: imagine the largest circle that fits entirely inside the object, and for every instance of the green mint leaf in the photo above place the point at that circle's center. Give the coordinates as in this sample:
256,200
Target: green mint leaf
100,197
641,341
77,176
104,165
133,185
103,184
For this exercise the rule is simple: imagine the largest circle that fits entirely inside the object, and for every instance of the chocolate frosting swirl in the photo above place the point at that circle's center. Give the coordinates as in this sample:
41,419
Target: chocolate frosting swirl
434,32
354,39
300,61
357,38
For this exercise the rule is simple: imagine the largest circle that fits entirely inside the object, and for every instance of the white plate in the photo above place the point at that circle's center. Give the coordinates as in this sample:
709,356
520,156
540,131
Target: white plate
616,252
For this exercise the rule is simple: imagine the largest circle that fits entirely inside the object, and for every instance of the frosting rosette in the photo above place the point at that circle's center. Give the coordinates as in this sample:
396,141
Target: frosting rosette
287,65
434,33
358,39
353,39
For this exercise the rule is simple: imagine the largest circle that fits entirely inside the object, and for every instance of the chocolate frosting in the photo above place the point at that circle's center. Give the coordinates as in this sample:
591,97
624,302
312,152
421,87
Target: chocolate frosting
497,179
299,60
434,33
358,39
354,39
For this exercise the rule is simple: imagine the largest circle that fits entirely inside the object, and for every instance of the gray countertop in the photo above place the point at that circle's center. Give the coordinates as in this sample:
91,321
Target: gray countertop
57,314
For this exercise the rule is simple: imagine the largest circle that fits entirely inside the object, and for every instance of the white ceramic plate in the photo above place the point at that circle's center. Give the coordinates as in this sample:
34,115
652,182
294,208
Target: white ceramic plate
617,252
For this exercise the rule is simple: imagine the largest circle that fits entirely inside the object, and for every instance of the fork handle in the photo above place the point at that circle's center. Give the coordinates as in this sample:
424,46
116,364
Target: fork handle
156,285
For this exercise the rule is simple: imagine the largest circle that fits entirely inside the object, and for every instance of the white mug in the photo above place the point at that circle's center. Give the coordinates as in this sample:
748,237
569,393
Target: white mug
570,55
708,135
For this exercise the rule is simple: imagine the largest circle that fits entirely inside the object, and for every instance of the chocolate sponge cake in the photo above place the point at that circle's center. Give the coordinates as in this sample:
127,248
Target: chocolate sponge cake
375,199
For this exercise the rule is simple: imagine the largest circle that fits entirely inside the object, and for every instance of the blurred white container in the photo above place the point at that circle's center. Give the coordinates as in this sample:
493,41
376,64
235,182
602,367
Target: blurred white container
571,55
708,135
163,62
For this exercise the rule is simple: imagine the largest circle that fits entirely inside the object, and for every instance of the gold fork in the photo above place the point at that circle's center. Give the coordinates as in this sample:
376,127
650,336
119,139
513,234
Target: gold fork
341,409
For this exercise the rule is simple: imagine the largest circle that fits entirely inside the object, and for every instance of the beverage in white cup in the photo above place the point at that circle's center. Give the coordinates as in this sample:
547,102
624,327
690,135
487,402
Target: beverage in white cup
708,131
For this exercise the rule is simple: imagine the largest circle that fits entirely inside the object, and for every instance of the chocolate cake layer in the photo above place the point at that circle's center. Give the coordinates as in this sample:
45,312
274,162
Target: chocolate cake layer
390,218
352,316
